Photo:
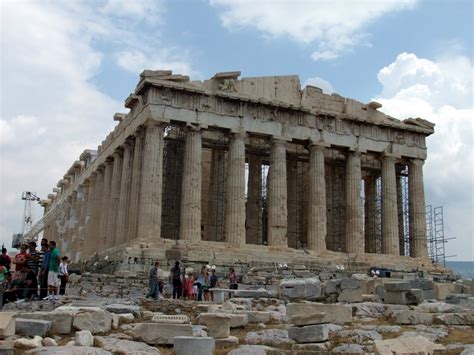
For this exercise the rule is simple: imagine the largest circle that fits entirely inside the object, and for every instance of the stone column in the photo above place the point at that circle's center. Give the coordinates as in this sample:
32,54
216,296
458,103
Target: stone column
124,199
96,211
370,212
254,200
135,187
390,242
114,199
89,206
353,230
293,203
235,192
317,220
277,196
105,204
416,195
401,221
149,217
190,223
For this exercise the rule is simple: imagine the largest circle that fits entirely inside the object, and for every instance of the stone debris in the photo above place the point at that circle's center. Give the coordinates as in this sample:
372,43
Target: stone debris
68,350
408,345
84,338
32,327
124,347
7,324
270,337
194,345
349,348
336,314
157,333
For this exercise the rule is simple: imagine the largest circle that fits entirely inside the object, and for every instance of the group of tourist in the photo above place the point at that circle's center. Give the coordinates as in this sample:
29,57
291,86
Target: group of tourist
35,270
196,286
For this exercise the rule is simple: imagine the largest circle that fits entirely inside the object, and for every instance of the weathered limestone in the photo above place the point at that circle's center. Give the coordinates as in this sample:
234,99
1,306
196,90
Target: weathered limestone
277,196
135,186
194,345
218,324
32,327
190,227
317,230
235,192
115,199
157,333
416,195
7,324
124,197
149,217
254,201
390,239
370,218
336,314
105,204
353,224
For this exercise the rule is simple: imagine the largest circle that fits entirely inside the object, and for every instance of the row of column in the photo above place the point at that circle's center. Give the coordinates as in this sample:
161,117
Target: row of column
122,200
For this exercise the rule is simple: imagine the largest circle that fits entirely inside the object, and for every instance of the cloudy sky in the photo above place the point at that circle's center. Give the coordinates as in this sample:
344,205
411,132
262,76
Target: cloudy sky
67,66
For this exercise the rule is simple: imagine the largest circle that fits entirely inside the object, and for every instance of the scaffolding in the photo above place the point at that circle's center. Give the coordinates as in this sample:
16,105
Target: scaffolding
435,233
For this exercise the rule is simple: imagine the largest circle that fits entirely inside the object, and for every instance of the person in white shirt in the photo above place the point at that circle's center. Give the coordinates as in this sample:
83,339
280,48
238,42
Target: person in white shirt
63,275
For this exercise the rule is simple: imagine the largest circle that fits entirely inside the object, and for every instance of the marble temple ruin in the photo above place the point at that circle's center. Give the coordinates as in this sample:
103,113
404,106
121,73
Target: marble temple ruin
245,170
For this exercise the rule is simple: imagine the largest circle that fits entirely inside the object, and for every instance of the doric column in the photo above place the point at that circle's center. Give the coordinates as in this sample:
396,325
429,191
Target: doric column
190,224
216,199
149,217
354,238
235,192
97,213
401,221
293,204
124,199
254,200
114,199
87,232
317,219
416,195
277,196
390,243
370,188
105,204
135,187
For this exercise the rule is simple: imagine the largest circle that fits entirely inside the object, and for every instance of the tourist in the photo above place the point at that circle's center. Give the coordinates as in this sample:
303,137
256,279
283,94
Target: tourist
5,259
201,282
188,287
31,284
175,276
213,282
205,287
33,260
53,271
233,279
3,272
9,289
20,260
63,275
153,282
44,268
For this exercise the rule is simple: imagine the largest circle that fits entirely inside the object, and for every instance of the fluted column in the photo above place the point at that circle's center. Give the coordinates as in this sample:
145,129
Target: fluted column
317,219
114,199
254,200
354,237
235,192
370,214
150,204
96,212
401,221
416,195
105,204
89,208
277,196
190,224
135,187
390,243
124,199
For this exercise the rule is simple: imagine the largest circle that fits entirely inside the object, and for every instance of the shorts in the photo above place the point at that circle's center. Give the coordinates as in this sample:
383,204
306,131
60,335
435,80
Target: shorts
53,279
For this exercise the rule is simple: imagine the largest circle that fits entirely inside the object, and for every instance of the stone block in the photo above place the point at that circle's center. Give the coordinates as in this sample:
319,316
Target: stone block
331,286
397,286
409,345
409,317
308,289
32,327
441,290
379,291
218,324
123,308
159,333
336,314
422,284
84,338
456,298
464,318
415,296
254,350
7,347
124,346
171,319
350,295
310,348
68,350
228,342
307,319
61,320
309,333
238,320
350,284
270,337
428,295
395,297
96,320
7,324
260,293
257,316
194,345
25,343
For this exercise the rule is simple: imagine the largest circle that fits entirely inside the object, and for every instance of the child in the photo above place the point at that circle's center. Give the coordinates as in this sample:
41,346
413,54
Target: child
213,282
188,286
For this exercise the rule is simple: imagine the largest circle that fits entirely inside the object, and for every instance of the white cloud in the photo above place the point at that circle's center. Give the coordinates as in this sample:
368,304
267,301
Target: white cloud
320,83
50,108
334,27
440,91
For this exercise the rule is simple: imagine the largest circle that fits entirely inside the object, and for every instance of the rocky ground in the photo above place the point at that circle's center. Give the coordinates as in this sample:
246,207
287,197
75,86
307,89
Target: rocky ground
257,321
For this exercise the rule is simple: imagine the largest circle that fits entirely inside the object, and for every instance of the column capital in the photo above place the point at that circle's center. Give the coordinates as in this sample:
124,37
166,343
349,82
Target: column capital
153,123
314,145
193,127
138,133
417,162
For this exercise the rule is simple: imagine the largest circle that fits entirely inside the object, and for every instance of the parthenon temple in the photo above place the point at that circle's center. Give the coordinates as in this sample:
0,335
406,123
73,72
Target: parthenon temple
245,170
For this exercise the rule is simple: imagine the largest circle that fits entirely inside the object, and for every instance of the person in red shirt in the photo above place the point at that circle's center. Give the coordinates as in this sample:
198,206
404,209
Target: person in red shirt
5,259
20,261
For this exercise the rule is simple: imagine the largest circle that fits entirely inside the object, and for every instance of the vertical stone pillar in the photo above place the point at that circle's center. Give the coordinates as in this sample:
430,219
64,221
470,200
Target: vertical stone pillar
370,188
317,219
124,199
353,225
96,212
135,187
235,192
216,200
114,199
416,195
293,203
254,200
277,196
401,221
89,208
105,204
190,224
149,217
390,242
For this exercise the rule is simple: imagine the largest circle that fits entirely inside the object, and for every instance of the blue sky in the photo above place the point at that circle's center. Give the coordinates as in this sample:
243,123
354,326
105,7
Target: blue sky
68,68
